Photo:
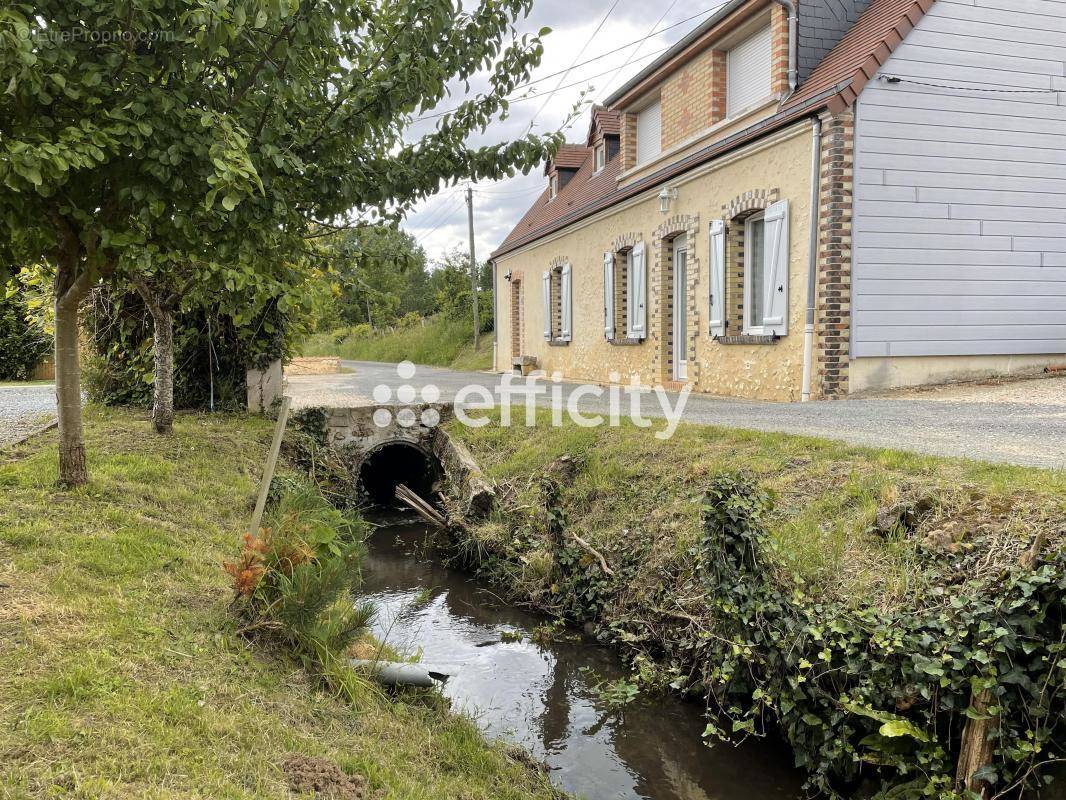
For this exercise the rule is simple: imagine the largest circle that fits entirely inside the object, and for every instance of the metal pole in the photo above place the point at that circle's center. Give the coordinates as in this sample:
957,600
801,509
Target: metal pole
473,260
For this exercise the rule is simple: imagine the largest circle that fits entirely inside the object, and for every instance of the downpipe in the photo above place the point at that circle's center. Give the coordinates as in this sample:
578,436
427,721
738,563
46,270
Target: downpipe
812,266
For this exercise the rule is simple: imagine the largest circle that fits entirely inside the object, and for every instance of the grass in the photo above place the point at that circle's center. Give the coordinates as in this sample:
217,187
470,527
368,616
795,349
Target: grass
632,491
120,671
440,342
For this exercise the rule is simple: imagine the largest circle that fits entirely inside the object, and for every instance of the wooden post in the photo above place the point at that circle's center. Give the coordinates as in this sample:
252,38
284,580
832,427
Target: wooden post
977,747
271,464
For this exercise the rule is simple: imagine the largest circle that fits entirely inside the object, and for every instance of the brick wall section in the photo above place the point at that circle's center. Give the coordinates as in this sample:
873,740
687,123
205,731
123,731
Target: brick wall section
734,276
628,141
779,48
688,98
833,312
517,333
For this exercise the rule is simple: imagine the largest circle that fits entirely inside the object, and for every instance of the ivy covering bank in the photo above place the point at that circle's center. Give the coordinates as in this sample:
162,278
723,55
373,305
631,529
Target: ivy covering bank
696,572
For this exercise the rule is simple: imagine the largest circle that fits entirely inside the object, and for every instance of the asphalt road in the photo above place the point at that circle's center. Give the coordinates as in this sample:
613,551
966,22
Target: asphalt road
1021,422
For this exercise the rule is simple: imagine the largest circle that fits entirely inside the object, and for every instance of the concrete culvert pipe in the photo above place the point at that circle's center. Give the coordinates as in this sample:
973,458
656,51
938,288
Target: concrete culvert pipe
388,465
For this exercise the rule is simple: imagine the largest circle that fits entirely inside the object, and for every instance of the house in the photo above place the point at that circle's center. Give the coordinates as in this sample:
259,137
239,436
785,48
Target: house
805,201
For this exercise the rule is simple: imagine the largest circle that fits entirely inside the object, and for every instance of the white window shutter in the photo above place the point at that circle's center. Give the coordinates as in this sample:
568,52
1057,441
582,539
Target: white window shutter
748,68
608,296
649,132
567,299
547,285
775,271
717,262
638,312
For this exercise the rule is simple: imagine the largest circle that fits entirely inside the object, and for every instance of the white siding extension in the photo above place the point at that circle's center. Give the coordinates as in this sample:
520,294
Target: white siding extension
960,196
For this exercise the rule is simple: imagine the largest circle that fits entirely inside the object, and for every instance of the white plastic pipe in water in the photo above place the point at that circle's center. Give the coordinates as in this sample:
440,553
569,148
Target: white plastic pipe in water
393,673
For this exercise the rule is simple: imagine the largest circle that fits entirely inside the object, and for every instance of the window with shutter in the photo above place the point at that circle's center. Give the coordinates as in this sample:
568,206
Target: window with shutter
775,278
717,270
566,300
649,132
546,284
608,296
748,73
766,271
637,317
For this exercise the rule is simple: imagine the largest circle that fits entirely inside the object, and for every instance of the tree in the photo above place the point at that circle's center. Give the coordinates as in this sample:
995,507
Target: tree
450,280
131,131
374,269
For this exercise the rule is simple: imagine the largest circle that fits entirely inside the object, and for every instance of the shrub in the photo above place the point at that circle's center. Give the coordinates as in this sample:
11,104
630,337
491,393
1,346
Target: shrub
293,581
23,345
864,692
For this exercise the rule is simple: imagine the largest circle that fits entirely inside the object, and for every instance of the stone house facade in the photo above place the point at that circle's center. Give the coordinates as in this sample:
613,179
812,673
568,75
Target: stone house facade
733,223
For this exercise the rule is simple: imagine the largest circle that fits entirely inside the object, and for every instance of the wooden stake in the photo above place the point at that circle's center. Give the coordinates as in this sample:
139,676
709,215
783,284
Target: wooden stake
271,465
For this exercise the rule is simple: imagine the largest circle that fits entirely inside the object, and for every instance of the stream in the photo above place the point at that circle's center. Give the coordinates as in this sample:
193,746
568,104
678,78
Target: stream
544,696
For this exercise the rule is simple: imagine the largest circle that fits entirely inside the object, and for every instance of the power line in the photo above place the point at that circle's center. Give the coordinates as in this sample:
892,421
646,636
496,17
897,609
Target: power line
580,53
442,223
603,55
956,87
433,213
535,95
636,50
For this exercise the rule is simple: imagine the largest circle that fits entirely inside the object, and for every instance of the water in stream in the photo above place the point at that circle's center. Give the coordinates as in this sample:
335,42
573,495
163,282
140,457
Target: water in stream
542,697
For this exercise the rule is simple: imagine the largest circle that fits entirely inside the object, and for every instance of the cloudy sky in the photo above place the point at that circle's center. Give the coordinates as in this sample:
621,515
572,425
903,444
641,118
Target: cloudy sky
439,223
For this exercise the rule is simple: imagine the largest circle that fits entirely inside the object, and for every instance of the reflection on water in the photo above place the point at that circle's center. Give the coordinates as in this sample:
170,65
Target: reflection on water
541,697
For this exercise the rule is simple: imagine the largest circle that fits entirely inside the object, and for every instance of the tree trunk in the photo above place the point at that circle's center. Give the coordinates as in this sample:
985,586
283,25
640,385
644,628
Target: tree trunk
163,351
163,346
72,469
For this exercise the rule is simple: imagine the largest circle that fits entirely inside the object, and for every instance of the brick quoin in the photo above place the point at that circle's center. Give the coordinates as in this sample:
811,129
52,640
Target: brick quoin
833,312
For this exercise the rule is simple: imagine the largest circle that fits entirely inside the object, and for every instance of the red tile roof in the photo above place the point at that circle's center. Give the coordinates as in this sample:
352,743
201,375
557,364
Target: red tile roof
570,156
863,50
582,189
835,84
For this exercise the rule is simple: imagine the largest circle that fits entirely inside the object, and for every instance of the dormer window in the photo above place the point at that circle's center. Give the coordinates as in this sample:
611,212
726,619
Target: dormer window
553,186
749,72
601,156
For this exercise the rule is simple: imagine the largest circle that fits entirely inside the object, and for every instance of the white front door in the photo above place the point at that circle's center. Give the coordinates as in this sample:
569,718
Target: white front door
680,313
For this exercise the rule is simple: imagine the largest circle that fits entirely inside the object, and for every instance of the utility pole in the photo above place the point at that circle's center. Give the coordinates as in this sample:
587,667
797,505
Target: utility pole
473,261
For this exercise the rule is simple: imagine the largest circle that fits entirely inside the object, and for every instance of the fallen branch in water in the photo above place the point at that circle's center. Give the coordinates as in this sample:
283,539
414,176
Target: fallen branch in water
420,506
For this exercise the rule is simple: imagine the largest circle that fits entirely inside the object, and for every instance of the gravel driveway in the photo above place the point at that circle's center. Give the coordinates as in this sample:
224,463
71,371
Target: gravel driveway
24,410
1021,422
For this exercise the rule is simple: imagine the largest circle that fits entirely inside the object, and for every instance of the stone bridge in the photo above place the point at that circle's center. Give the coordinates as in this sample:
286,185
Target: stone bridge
386,445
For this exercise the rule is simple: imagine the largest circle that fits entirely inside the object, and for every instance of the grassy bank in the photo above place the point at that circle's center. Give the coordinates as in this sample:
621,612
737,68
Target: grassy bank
121,674
855,600
439,342
828,497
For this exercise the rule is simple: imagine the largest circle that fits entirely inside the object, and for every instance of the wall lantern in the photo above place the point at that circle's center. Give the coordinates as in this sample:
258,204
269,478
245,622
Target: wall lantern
507,275
665,196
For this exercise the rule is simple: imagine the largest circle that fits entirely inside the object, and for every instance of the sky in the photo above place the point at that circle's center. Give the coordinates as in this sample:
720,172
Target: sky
440,222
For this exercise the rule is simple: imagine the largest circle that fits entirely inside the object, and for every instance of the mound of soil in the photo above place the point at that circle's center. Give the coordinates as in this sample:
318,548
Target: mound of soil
307,774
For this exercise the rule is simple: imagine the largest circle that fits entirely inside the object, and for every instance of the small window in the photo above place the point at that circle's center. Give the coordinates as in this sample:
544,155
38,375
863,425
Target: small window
553,186
748,73
601,156
649,132
754,274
